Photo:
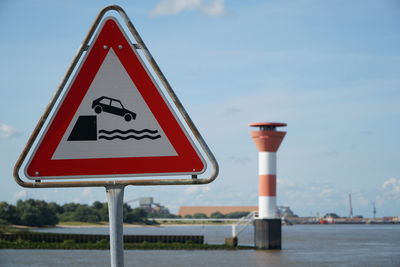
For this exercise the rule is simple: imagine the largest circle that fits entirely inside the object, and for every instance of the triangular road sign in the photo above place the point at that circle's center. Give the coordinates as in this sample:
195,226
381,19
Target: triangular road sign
113,120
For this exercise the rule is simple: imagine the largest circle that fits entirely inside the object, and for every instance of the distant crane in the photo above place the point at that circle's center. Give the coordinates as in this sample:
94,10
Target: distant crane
351,206
374,210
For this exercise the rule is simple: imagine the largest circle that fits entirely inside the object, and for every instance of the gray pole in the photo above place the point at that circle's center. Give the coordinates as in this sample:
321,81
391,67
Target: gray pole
115,197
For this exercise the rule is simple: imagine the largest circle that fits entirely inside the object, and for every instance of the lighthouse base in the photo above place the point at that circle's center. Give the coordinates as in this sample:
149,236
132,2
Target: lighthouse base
268,233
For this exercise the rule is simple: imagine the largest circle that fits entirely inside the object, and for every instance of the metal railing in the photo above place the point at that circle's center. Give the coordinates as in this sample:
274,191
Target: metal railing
242,223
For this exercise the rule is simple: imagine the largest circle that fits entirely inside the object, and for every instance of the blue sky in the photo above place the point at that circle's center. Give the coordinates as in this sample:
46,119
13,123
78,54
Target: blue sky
330,69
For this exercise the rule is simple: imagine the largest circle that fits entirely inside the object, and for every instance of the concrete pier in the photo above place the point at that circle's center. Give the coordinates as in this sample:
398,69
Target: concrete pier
268,233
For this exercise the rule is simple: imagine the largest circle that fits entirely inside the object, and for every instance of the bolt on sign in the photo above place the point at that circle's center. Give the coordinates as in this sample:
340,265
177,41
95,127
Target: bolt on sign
112,119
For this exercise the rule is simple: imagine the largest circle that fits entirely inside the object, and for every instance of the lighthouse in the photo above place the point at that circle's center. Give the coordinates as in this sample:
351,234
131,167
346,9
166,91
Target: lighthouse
267,225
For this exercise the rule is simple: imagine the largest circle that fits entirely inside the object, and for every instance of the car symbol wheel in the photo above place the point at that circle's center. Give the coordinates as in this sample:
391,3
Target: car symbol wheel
98,109
127,117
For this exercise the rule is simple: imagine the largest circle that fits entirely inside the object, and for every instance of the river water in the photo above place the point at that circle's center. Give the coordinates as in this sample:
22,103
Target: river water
302,245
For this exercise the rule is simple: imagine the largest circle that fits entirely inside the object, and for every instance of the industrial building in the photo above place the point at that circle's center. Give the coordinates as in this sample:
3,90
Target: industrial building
147,204
208,210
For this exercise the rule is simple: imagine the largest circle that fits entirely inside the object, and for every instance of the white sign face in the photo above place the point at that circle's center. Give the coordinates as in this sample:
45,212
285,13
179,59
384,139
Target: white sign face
113,120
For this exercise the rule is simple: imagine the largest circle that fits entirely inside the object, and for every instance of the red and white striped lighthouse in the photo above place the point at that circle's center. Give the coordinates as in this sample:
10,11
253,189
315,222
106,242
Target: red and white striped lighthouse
267,140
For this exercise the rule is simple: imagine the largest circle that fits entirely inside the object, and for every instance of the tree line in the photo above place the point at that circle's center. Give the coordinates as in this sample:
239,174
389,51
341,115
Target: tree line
218,215
38,213
33,212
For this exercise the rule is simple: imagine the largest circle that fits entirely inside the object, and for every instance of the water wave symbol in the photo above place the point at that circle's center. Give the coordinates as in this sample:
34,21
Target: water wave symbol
129,134
129,131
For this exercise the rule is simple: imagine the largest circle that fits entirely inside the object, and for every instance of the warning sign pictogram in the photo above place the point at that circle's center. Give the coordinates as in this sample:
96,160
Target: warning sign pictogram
113,120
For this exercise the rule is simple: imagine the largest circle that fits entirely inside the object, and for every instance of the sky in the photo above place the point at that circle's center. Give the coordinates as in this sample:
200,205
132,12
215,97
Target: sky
329,69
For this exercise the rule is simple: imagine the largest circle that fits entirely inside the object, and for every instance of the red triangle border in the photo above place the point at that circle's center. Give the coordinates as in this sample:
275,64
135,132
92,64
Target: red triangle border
188,160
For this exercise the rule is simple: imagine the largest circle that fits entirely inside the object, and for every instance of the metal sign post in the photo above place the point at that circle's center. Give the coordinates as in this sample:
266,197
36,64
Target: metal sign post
115,197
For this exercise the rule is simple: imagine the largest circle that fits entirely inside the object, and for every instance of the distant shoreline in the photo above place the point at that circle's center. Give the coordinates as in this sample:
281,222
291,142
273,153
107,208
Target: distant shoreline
172,224
106,225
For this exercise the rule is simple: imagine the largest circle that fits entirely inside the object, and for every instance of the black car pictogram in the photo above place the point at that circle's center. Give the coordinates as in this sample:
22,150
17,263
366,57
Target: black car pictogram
113,106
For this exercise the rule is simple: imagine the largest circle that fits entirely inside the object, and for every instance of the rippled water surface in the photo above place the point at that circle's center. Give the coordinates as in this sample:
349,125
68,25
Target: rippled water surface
303,245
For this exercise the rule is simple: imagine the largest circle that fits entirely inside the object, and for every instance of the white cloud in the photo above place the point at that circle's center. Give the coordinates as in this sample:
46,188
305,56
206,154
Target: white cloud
173,7
86,195
215,8
87,192
22,194
391,188
7,131
197,189
362,200
326,192
307,199
323,197
76,200
284,183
